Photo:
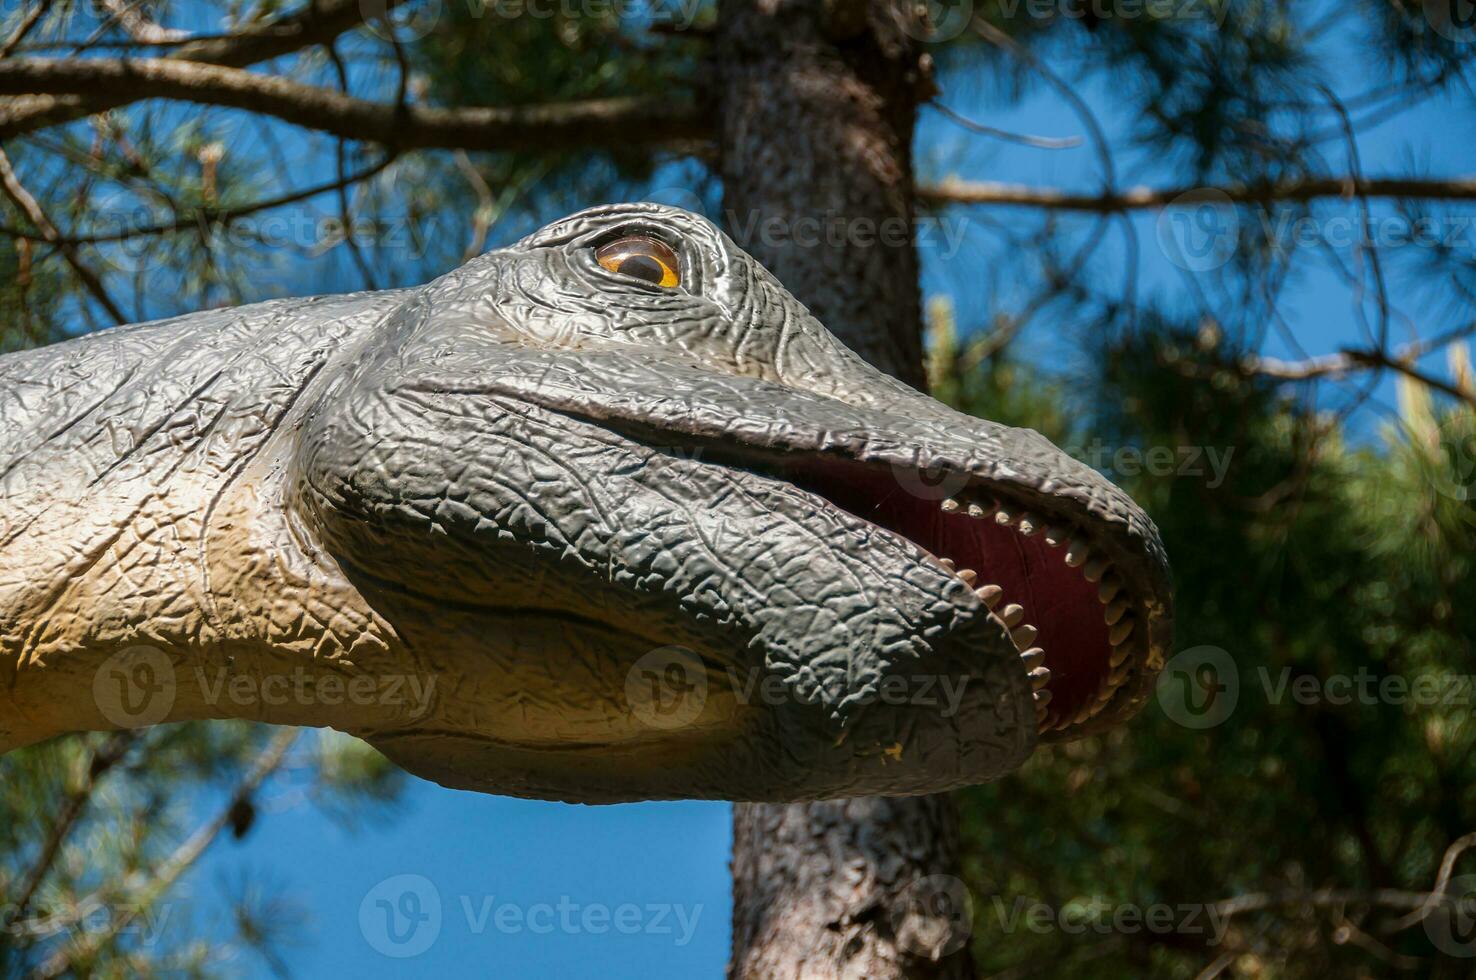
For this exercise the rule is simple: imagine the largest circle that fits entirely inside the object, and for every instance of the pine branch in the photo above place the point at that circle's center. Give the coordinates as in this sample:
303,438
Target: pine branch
109,754
1141,198
137,24
25,27
593,122
1347,361
1442,882
28,205
68,958
1351,360
316,23
196,218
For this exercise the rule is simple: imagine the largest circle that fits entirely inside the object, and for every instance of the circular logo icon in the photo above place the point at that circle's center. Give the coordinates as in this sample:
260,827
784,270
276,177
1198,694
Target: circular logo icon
401,916
934,917
935,21
1451,925
1454,20
1199,687
136,687
929,483
1451,468
667,688
1199,230
405,22
678,197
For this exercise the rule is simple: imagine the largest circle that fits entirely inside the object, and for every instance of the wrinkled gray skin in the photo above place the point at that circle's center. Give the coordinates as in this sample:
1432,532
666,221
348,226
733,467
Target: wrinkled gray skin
514,483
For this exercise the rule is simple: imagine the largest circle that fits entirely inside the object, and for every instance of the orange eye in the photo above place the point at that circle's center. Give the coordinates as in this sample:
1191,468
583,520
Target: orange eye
647,259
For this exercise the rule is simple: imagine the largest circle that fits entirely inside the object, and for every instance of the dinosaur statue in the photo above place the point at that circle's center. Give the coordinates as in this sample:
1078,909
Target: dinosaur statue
617,454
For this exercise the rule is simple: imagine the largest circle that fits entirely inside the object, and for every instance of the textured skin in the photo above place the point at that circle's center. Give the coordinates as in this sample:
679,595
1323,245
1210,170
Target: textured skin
513,483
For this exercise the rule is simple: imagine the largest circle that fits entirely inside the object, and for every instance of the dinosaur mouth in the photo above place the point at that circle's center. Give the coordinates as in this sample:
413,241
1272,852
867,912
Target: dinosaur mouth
1079,633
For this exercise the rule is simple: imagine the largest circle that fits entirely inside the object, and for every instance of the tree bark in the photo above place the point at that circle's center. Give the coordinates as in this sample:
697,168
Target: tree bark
817,106
817,103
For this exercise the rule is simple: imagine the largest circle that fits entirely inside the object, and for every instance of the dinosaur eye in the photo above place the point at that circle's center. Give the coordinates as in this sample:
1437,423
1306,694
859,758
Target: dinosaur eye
642,257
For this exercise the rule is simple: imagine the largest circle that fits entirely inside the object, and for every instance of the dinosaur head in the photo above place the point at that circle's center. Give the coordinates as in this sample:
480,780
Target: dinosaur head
668,537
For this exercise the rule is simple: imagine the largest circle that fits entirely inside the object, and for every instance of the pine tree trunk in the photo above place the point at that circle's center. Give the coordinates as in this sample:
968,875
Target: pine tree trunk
818,101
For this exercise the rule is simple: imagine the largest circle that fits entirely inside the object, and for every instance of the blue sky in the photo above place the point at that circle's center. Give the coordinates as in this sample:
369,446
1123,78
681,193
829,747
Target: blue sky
524,888
538,889
1437,139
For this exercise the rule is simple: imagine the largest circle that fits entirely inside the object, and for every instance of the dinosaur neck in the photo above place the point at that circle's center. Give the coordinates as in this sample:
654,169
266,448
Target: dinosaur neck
148,570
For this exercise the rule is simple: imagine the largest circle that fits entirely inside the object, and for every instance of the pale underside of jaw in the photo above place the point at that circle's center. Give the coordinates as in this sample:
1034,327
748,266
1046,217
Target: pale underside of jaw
1116,607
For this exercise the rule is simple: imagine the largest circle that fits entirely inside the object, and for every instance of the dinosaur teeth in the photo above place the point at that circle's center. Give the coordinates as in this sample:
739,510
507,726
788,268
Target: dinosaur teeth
1122,669
1044,717
1117,609
1121,662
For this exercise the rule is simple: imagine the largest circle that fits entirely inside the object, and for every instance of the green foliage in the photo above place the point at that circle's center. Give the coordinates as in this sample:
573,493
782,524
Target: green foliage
27,297
97,831
1233,90
529,52
1313,560
981,372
